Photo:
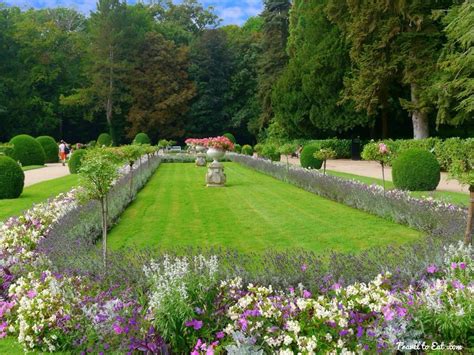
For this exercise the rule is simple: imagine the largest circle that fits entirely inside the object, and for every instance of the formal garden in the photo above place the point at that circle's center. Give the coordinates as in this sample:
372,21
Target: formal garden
255,177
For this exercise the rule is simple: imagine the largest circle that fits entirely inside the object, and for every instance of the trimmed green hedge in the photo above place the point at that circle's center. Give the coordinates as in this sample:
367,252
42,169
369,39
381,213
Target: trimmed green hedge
142,138
247,150
231,137
237,148
74,163
104,140
12,178
50,147
271,152
307,159
27,150
7,149
416,169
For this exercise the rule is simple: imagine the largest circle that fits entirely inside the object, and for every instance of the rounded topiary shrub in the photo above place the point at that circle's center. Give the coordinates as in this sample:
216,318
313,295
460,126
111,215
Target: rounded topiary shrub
27,150
12,178
7,149
247,150
271,152
50,147
238,148
416,170
142,138
231,137
74,162
104,140
307,159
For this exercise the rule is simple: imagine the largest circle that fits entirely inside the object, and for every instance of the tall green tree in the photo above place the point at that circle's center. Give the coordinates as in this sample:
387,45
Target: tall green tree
161,89
391,41
306,97
243,104
455,85
211,69
273,58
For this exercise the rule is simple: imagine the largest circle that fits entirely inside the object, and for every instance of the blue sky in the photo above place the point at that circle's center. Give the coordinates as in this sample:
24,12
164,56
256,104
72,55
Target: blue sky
231,11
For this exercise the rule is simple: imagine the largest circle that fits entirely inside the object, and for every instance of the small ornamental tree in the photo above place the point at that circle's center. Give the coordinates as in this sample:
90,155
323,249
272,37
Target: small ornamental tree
377,152
131,153
463,171
99,170
287,150
324,155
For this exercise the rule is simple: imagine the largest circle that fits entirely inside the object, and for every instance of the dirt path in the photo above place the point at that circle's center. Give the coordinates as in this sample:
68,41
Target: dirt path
50,171
372,169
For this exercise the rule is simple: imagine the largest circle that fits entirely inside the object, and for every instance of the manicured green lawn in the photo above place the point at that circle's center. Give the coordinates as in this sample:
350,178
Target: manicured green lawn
35,194
457,198
10,346
253,213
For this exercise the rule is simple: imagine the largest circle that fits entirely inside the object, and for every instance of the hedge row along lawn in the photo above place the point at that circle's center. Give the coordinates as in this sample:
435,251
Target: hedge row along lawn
32,167
457,198
36,193
253,213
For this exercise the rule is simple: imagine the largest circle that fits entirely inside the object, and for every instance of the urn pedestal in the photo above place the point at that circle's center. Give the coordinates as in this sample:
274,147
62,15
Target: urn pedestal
215,176
201,159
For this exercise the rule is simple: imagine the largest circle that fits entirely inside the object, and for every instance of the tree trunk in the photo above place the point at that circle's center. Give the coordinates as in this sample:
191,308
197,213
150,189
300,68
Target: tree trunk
109,104
470,219
420,119
131,181
104,209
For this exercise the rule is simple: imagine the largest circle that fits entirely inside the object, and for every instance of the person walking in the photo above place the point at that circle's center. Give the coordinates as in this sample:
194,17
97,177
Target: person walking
62,152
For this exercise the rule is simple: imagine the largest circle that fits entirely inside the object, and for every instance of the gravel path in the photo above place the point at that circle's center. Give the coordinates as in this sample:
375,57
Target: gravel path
372,169
49,172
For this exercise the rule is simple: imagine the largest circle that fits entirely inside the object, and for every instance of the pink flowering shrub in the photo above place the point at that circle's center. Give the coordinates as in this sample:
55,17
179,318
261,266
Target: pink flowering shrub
220,142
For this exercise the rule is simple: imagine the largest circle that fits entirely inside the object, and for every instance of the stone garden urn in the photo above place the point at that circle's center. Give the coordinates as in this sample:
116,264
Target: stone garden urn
200,156
215,171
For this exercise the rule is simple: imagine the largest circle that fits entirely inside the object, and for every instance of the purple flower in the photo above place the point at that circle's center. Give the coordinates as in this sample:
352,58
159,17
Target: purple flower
306,294
454,266
388,313
343,332
117,328
243,324
401,312
196,324
457,285
31,294
431,269
220,335
304,267
462,266
360,331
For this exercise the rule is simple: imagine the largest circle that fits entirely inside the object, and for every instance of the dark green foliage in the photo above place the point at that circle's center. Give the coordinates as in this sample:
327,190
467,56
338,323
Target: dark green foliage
50,147
74,163
270,151
6,149
231,137
416,170
306,97
142,138
104,140
237,148
247,150
27,150
91,144
273,58
12,178
307,159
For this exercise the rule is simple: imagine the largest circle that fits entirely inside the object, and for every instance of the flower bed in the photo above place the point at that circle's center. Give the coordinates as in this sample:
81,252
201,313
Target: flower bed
155,303
428,215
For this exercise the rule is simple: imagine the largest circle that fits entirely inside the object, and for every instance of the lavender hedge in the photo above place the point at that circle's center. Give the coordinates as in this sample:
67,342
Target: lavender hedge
431,216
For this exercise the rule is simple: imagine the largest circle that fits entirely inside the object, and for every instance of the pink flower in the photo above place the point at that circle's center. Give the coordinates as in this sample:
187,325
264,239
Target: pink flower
454,266
457,285
383,149
243,324
31,294
462,266
3,328
220,335
388,313
306,294
431,269
117,328
304,267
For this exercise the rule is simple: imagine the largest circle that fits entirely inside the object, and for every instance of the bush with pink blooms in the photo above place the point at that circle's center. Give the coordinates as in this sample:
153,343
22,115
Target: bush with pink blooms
220,142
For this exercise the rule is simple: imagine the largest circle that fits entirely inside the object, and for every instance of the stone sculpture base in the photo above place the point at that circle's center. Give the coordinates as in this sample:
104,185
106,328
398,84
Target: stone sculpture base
201,159
215,175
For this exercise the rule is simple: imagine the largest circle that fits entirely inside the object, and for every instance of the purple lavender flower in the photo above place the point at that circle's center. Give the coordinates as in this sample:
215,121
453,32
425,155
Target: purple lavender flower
431,269
462,266
196,324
